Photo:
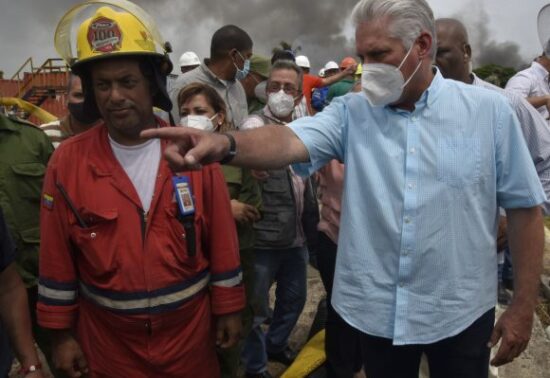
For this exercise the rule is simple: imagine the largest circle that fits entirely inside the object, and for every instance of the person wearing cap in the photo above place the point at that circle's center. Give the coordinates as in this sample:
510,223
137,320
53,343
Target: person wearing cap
311,81
229,62
189,61
345,85
319,95
139,267
254,82
331,68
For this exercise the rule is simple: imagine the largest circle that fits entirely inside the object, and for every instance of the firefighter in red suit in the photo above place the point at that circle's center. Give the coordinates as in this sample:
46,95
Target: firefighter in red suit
133,281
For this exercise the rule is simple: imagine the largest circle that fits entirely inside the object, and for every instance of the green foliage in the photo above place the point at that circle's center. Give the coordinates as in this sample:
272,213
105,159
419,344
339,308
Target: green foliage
495,74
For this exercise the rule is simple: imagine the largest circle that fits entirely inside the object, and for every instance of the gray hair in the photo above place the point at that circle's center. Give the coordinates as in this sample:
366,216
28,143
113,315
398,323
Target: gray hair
408,18
285,64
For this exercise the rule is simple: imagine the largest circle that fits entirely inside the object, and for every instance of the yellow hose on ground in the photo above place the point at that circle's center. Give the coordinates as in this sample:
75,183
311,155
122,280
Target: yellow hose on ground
310,358
34,110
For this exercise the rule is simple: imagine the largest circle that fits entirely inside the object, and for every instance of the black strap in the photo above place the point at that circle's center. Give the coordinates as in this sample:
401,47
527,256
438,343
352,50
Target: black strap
188,223
232,149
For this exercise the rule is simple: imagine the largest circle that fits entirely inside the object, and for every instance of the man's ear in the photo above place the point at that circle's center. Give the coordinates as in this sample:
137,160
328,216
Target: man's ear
425,41
467,52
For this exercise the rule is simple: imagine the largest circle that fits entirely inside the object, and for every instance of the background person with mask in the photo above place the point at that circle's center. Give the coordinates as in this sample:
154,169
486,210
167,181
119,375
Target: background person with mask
254,83
76,120
289,220
229,62
202,107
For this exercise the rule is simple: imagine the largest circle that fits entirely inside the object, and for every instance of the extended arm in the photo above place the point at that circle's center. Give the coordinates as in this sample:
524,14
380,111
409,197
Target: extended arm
339,76
538,101
267,147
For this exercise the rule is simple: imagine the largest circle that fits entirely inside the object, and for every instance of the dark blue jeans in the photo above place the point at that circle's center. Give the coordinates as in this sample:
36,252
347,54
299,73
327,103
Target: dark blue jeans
287,267
505,271
465,355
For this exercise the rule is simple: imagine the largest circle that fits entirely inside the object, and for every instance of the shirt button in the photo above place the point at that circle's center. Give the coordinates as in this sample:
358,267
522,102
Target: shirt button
413,118
401,284
411,186
407,220
93,235
405,252
412,150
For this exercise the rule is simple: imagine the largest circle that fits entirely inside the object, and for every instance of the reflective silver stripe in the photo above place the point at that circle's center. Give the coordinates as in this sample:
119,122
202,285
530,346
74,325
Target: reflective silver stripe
135,304
230,282
63,295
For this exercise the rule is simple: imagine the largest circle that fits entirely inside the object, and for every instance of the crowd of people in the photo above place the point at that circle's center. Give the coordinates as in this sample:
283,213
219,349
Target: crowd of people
141,233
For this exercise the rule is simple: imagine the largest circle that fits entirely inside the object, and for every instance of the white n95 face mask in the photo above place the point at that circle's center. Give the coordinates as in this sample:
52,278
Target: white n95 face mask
280,103
200,122
383,83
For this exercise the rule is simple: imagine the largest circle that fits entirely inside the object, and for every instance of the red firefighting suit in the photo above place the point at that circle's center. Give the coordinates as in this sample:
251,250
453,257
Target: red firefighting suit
139,303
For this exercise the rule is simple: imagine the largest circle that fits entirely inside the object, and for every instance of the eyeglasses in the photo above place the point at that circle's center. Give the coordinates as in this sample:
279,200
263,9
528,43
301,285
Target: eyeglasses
276,87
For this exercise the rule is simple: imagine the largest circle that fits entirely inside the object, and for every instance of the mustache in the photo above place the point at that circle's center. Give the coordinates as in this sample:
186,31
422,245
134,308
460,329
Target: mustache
114,108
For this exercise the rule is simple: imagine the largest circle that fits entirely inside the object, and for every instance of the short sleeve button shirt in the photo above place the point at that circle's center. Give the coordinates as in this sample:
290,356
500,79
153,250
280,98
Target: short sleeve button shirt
416,251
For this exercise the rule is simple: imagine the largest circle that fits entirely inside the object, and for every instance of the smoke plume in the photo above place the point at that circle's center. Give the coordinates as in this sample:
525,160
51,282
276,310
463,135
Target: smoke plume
485,49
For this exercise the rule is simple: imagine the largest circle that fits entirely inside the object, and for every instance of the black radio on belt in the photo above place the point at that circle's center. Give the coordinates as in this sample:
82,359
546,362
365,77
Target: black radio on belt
186,213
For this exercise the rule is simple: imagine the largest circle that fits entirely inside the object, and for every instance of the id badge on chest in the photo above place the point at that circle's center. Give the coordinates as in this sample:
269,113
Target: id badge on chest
184,195
186,206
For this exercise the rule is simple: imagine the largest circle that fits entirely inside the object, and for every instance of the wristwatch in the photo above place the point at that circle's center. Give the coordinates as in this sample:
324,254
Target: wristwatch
232,149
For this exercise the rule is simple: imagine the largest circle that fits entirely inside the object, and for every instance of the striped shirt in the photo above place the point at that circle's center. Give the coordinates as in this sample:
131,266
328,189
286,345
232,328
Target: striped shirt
416,261
58,130
531,82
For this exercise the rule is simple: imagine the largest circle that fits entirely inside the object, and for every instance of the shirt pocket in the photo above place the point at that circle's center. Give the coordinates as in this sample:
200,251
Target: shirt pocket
96,243
458,161
29,178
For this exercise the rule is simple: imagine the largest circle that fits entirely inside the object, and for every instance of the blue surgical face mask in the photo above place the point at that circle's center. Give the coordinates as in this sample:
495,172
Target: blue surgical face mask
242,73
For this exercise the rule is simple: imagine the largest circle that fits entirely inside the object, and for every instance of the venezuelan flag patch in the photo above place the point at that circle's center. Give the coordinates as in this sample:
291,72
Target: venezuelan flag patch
47,201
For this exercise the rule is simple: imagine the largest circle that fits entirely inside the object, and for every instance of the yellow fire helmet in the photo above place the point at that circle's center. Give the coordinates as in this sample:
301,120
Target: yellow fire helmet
117,28
109,33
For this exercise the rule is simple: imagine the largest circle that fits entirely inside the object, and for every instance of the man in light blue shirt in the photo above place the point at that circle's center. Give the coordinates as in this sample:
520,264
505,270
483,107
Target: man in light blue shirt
428,163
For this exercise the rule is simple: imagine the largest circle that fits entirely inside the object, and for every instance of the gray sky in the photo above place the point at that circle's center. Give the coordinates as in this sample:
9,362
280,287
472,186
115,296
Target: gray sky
501,30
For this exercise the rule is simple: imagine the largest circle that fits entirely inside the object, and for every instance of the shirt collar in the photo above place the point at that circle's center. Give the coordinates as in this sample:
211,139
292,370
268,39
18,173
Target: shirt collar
212,75
476,80
540,70
431,94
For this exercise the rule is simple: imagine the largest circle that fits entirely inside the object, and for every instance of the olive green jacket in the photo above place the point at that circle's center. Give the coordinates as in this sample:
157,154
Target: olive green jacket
24,154
244,188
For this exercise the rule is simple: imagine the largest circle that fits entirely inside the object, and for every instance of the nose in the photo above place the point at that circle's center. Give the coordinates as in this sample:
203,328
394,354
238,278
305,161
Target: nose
116,94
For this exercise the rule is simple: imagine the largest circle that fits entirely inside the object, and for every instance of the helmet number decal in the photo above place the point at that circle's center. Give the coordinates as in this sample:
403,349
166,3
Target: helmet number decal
104,35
